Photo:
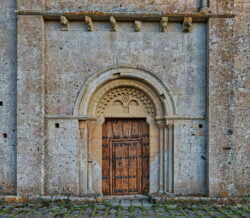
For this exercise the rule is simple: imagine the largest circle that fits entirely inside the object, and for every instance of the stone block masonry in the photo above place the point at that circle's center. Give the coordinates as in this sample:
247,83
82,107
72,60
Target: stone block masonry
61,60
30,112
7,97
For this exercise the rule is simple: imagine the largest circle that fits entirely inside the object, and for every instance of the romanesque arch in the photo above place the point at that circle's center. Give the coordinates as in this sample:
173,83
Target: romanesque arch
125,92
148,79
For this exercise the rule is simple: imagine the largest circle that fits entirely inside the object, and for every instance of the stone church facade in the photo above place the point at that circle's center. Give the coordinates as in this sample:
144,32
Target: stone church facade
118,97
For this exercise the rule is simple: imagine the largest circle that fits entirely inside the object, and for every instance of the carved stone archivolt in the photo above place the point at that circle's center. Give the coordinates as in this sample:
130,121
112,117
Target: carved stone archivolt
125,100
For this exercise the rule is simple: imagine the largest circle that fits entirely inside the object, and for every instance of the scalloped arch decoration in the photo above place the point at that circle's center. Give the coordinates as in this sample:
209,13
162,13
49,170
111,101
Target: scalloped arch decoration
127,97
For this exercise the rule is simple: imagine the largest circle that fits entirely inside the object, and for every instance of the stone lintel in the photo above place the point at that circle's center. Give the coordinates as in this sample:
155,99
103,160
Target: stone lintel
105,16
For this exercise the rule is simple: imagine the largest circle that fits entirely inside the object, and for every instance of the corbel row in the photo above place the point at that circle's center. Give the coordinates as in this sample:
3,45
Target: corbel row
187,24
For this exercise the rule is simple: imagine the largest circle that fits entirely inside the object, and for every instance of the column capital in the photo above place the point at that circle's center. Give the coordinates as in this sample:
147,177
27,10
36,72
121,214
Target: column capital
160,123
169,122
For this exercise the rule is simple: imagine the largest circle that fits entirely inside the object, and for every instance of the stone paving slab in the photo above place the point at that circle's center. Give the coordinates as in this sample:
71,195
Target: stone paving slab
121,208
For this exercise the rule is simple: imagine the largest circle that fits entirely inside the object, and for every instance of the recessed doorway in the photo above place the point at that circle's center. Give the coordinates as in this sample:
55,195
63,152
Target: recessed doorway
125,157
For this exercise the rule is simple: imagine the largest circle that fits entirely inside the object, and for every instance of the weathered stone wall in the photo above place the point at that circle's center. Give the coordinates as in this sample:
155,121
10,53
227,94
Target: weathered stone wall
240,108
229,101
125,5
53,65
62,157
30,112
7,97
190,158
177,58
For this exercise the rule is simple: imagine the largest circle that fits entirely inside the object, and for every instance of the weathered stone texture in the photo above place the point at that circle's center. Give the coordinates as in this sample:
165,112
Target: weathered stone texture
125,5
220,71
30,113
240,108
177,58
229,102
190,153
7,97
30,5
62,157
206,70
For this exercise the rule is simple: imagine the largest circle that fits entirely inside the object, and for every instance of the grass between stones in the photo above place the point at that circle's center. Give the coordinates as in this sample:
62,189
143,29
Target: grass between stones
106,209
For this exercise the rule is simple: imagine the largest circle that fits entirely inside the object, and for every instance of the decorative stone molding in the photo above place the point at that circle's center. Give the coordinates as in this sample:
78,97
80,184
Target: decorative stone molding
65,23
138,26
124,98
113,23
89,22
128,16
164,24
187,24
123,95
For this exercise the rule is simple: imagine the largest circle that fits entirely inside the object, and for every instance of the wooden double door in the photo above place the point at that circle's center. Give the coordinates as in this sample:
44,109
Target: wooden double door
125,157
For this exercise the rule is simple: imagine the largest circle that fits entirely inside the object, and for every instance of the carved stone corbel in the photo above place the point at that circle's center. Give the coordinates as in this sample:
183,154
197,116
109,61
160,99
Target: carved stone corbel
138,26
164,24
65,23
187,24
89,22
113,23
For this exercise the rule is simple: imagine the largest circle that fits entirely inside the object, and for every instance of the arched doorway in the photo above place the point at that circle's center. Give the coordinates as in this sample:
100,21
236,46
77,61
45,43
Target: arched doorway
127,97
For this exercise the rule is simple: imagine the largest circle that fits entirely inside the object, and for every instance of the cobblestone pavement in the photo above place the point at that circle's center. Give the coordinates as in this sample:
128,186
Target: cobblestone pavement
122,208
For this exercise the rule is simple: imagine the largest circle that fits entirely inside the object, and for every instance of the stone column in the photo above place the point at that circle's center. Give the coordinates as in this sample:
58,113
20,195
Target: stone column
83,158
161,125
170,129
91,126
30,105
166,155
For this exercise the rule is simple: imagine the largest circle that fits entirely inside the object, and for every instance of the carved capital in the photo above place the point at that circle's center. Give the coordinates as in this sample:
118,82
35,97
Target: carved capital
113,24
89,22
160,123
169,122
164,24
138,26
65,23
187,24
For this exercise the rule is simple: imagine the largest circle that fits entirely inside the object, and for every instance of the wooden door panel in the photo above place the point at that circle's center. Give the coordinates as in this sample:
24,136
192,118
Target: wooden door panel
126,128
134,167
125,164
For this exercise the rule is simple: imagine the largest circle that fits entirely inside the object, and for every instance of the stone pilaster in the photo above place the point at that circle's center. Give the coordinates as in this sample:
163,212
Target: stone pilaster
220,71
30,101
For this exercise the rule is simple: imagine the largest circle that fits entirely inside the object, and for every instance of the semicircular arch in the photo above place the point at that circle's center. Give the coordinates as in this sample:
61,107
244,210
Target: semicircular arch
98,84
